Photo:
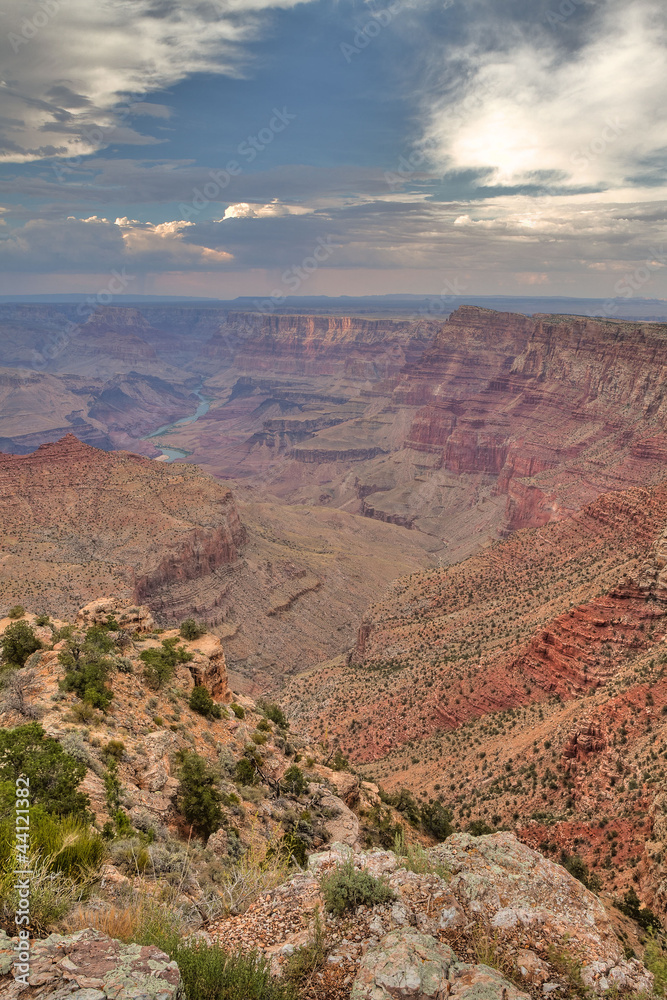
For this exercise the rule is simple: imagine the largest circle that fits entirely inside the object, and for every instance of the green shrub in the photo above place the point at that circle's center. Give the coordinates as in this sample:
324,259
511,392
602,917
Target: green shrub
478,828
71,845
198,796
631,907
437,820
238,710
64,859
210,973
114,750
244,772
339,762
345,888
380,827
190,630
292,847
655,960
309,957
18,643
405,802
274,713
87,667
161,663
202,702
42,620
53,775
294,781
112,786
17,611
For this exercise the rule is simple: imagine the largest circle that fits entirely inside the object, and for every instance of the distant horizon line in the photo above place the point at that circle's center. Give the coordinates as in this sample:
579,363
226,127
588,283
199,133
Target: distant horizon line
76,297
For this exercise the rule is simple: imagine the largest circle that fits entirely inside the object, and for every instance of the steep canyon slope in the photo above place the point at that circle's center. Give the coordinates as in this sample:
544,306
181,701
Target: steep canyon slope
284,586
461,430
525,686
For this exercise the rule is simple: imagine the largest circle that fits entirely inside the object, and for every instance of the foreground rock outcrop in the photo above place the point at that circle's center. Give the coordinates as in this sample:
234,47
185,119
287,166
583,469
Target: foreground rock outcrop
409,964
471,896
89,966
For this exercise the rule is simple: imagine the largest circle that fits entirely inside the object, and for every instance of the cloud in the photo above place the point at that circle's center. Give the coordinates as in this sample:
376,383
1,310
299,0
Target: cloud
275,209
97,244
519,107
77,72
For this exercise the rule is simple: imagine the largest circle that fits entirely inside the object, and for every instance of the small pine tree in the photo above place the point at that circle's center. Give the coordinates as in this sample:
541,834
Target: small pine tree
18,643
190,630
198,796
202,702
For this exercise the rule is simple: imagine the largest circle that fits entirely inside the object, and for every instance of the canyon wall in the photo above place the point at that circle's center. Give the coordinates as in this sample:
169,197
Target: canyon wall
76,521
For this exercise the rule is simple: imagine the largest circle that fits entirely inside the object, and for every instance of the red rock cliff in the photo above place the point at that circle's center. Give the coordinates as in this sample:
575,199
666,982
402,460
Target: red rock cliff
556,408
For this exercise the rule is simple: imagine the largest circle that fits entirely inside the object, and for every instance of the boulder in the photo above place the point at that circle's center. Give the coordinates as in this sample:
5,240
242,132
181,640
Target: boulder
345,784
132,617
511,889
218,843
408,964
343,827
91,966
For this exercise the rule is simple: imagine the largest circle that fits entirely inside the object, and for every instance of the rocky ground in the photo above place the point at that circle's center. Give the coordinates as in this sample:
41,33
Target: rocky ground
485,917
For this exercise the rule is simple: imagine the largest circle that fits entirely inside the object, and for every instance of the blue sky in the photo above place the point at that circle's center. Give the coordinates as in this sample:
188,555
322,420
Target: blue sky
210,147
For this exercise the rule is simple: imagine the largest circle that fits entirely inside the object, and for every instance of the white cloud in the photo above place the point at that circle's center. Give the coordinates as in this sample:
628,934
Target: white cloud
166,240
76,72
593,117
95,244
275,209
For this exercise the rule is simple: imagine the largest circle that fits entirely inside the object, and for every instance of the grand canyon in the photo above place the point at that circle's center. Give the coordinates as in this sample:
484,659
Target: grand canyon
333,500
438,544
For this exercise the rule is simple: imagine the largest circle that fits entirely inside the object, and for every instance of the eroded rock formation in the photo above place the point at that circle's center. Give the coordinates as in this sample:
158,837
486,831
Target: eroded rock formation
76,520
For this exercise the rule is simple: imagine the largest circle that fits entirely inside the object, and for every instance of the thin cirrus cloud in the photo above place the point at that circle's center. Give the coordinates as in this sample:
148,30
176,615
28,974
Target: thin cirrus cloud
77,73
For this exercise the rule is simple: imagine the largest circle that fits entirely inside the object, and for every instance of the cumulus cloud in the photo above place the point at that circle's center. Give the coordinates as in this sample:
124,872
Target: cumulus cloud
274,210
76,73
96,244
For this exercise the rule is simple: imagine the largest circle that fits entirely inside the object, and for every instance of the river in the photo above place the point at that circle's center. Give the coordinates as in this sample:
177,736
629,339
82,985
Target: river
172,454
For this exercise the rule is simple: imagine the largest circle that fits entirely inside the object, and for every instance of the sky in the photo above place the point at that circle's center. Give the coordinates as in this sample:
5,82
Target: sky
339,147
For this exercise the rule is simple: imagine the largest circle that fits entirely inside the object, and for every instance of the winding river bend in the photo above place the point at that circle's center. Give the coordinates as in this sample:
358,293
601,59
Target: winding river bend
172,454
